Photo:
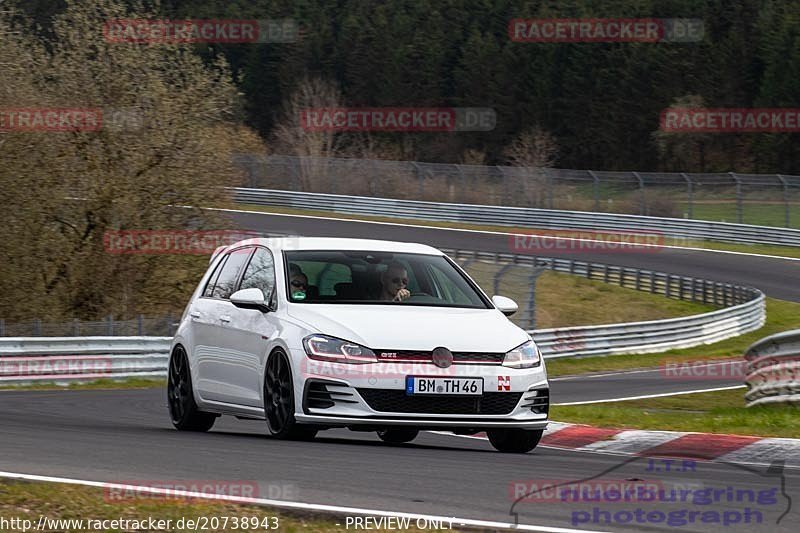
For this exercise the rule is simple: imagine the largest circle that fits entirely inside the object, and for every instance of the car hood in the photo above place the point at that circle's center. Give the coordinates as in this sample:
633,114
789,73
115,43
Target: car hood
397,327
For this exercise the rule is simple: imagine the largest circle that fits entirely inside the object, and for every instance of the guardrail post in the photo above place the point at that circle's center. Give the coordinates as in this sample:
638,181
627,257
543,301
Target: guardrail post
420,177
37,327
605,273
2,327
76,328
689,193
550,185
532,279
785,198
140,324
498,276
738,197
110,323
652,282
642,203
595,189
667,286
504,179
638,279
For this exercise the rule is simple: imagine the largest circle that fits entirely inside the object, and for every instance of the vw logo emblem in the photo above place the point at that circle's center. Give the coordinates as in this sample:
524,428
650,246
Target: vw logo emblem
442,357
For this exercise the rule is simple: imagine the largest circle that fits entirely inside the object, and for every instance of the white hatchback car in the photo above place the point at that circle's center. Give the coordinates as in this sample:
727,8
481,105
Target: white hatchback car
319,333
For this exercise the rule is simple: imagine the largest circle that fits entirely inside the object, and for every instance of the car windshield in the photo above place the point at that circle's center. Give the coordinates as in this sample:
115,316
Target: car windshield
365,277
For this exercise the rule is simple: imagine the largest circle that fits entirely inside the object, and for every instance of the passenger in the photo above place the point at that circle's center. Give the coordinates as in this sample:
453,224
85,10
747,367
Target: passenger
298,282
394,283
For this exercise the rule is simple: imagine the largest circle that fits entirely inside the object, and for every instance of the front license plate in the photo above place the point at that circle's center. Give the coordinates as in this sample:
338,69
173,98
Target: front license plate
452,386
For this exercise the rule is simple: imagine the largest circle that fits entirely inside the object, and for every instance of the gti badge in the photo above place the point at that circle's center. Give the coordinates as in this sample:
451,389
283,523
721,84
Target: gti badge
442,357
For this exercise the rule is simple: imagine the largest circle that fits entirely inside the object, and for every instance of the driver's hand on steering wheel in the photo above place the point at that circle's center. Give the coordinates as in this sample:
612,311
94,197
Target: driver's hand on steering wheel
401,295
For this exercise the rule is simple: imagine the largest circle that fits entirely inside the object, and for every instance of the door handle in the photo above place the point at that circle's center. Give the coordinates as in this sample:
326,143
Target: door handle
195,314
225,318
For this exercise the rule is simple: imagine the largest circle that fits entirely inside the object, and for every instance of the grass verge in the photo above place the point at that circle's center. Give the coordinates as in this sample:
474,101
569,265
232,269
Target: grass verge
30,500
100,384
706,412
760,249
781,316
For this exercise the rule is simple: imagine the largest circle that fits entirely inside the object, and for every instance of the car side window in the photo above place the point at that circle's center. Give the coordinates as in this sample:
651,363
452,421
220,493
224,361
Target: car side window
209,290
260,273
229,276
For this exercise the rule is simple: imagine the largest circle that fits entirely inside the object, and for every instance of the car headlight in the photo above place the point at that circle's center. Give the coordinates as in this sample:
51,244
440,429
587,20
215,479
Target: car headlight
523,356
326,348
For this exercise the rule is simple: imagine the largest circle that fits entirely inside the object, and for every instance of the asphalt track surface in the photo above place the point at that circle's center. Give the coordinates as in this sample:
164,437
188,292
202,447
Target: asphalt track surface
126,437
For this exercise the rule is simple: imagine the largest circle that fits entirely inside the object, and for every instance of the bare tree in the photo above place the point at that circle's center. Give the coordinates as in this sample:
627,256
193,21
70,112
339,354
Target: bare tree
532,151
294,137
63,191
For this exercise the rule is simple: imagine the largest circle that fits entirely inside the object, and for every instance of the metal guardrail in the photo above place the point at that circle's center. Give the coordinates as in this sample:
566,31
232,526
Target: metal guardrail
744,309
773,369
63,359
725,196
521,217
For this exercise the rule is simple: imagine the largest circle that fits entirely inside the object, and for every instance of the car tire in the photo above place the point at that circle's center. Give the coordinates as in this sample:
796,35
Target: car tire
183,410
398,435
514,440
279,401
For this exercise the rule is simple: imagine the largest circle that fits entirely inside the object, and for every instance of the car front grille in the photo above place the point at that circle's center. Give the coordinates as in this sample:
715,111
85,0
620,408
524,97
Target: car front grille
427,357
397,401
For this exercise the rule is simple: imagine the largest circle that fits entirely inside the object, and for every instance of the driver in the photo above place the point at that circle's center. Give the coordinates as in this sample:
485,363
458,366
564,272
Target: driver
394,283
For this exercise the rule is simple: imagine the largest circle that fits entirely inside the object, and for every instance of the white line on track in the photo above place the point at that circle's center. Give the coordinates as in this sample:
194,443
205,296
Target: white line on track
488,232
646,396
334,509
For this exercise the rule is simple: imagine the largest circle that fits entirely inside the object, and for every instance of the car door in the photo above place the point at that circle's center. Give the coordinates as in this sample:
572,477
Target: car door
215,347
250,332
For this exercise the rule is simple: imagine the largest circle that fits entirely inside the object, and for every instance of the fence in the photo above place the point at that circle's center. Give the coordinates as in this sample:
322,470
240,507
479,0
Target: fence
521,218
139,326
773,369
25,360
760,199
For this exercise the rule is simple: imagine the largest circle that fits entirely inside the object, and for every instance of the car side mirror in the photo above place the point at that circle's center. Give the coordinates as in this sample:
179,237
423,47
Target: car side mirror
507,306
252,298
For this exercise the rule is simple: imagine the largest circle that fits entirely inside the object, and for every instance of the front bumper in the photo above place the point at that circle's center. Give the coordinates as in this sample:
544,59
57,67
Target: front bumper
337,395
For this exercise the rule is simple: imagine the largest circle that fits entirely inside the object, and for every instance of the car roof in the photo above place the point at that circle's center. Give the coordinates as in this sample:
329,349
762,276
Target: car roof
293,243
